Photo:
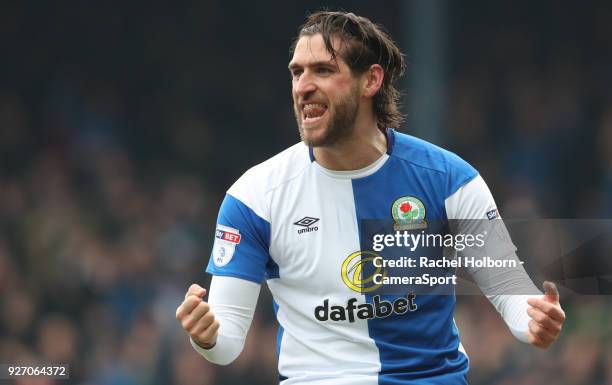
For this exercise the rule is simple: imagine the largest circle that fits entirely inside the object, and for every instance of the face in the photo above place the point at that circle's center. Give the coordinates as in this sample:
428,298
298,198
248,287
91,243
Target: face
325,93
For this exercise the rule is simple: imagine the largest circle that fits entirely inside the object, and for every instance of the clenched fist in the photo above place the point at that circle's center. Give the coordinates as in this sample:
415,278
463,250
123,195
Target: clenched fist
197,318
547,317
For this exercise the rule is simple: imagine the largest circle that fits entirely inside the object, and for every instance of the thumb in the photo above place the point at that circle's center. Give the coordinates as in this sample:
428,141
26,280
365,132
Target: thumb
196,290
551,294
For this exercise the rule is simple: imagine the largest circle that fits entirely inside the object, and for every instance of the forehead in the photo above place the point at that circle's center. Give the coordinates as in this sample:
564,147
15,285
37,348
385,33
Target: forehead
311,49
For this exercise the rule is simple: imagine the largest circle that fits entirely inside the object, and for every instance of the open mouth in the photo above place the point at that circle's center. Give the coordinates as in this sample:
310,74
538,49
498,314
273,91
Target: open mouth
312,113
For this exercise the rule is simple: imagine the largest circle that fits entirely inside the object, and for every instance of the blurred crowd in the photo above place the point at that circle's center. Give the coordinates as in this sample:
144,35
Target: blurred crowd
120,134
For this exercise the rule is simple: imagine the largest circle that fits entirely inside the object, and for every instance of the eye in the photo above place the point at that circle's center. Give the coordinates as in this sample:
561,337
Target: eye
324,71
295,74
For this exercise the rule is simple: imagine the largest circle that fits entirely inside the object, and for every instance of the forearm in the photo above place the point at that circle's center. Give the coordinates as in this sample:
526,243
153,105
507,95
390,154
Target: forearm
472,210
508,290
233,302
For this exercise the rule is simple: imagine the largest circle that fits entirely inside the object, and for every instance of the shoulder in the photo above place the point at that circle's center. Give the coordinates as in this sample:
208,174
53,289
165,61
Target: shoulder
252,187
275,171
428,157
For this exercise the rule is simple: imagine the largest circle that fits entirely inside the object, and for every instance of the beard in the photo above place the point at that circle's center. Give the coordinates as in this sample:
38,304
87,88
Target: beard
341,121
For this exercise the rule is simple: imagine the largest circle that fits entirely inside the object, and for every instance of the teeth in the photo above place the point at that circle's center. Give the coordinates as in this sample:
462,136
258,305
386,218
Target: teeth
314,108
314,105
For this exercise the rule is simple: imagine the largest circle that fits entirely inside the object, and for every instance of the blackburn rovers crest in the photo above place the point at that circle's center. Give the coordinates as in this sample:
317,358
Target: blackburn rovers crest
408,213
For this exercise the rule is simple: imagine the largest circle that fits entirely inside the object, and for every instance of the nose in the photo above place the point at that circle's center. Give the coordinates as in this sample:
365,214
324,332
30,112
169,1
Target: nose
304,85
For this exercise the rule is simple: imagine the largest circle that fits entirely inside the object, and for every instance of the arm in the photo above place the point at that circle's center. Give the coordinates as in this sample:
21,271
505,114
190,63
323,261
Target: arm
531,317
218,328
512,307
231,304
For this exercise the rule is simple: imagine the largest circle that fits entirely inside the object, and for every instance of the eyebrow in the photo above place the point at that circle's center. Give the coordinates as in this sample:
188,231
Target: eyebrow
330,62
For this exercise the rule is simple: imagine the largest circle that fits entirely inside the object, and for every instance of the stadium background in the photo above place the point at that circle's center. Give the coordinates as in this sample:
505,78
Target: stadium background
122,124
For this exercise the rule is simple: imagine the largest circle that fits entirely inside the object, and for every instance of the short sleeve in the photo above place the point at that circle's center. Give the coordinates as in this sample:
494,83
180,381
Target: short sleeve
472,210
242,242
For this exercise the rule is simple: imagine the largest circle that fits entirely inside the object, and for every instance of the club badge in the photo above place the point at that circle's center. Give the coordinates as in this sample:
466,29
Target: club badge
408,213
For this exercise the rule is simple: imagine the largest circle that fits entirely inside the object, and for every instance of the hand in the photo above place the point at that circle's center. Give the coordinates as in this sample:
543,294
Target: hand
197,318
547,317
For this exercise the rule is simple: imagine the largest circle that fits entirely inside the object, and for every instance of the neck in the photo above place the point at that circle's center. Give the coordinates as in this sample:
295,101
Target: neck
363,148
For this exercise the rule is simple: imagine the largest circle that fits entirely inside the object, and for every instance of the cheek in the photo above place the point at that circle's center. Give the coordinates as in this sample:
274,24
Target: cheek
294,95
342,88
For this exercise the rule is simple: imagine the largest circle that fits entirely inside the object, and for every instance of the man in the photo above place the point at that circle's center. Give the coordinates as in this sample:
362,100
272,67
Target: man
296,221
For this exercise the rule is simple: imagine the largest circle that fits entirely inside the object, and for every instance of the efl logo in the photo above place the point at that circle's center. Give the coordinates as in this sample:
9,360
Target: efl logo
492,214
228,236
226,240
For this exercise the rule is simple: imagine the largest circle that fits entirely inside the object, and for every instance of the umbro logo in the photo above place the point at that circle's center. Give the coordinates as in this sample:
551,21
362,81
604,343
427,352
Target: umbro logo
307,224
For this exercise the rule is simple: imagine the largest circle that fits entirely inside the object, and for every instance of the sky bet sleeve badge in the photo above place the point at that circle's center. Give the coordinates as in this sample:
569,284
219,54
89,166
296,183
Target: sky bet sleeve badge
408,214
226,239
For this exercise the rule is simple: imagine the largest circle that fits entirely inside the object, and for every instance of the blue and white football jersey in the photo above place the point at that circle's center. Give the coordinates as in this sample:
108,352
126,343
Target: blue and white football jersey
295,224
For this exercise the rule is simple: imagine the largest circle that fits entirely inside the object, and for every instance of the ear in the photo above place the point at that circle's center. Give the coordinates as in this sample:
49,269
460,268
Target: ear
372,80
